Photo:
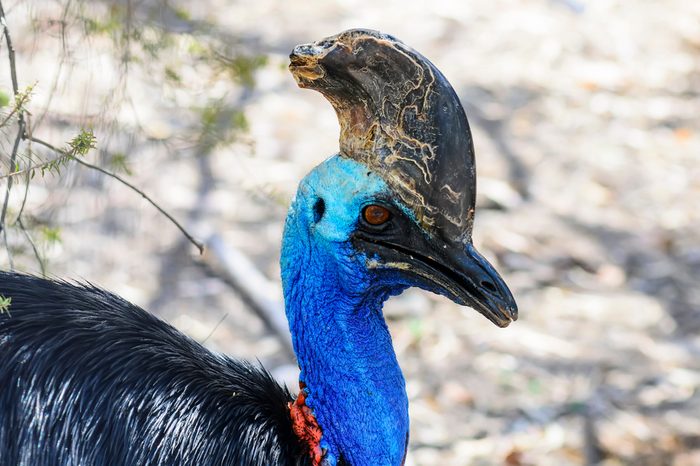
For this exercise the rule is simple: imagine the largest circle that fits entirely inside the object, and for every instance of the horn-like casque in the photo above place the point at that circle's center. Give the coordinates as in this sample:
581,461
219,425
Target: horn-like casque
400,116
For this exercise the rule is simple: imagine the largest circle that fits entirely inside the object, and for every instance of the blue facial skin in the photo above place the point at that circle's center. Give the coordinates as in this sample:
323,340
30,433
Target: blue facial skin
334,307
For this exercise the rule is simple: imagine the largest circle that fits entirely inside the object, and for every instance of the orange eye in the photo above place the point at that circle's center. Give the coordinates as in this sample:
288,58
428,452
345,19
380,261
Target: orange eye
376,214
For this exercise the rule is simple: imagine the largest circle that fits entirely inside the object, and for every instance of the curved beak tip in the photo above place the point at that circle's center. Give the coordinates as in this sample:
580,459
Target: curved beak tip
510,315
502,315
491,296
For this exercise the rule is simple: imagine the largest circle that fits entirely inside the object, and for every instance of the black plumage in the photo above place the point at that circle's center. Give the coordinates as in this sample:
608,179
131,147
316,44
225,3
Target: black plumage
90,379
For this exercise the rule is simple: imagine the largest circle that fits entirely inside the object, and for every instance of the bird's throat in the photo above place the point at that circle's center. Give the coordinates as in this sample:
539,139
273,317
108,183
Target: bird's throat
354,388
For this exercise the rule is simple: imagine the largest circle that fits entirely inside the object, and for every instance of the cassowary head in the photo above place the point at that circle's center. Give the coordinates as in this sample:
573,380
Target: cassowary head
397,202
393,209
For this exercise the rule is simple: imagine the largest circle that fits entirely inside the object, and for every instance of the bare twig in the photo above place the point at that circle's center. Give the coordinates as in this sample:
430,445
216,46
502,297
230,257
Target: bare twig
8,116
10,50
18,221
6,202
594,408
221,321
7,248
191,239
27,181
20,129
30,240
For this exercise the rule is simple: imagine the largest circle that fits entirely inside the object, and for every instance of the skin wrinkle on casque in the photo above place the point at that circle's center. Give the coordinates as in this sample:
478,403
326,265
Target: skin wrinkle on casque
376,132
402,138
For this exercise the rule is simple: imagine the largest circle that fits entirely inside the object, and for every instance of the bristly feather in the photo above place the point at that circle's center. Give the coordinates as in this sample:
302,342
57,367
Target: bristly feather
90,379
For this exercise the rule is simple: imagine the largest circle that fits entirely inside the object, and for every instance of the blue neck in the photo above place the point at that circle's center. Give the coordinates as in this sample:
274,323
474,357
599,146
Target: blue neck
355,386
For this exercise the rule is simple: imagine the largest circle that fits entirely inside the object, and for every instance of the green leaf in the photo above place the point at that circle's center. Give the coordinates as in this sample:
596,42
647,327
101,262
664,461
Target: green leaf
82,143
239,121
242,68
51,235
108,24
5,304
182,14
4,99
172,75
534,386
120,163
416,327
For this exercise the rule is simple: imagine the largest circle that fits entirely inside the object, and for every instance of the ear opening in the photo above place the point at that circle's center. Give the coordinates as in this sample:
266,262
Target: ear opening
319,209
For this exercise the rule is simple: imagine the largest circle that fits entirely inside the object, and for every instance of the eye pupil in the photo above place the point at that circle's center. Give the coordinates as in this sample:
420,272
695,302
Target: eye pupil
376,214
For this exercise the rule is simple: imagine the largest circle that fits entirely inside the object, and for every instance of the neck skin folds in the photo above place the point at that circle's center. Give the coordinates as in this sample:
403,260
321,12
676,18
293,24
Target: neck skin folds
355,386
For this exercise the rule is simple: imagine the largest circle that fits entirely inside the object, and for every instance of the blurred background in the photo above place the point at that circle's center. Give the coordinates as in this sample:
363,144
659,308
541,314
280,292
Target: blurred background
586,124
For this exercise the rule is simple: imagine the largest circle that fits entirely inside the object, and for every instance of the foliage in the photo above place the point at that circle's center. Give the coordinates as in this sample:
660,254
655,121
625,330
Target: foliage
119,162
79,146
4,99
21,100
242,68
144,38
5,304
82,143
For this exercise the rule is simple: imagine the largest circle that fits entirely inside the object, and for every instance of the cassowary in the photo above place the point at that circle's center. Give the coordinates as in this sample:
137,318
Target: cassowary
88,379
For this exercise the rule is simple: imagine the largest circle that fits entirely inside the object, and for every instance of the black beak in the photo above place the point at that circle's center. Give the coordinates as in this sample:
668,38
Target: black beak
482,287
453,269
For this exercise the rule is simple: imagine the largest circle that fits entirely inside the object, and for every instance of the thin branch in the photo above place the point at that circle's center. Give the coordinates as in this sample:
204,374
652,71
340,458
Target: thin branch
18,221
7,248
10,50
8,116
21,100
28,178
191,239
13,159
221,321
6,202
28,170
31,242
20,129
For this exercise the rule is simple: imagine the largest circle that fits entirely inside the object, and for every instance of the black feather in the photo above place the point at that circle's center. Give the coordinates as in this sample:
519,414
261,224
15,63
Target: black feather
87,378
